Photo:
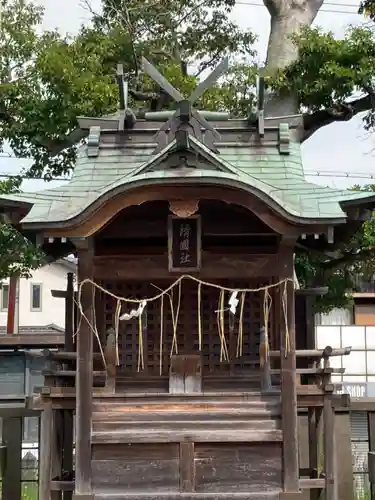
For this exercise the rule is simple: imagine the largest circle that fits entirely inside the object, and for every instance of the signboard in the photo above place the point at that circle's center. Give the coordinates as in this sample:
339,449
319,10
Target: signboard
355,390
184,243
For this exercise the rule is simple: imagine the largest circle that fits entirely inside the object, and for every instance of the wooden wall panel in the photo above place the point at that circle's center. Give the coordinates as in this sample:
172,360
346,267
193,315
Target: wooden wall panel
238,467
136,467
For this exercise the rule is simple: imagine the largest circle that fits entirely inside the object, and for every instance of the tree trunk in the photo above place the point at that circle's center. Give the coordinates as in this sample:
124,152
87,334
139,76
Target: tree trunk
287,19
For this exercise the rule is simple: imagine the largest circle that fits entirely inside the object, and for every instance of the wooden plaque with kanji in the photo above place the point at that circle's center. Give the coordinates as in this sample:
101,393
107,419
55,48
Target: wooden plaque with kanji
184,243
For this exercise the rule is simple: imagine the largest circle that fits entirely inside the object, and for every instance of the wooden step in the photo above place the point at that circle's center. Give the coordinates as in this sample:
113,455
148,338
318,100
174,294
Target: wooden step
187,425
261,495
151,435
131,415
159,407
199,404
129,398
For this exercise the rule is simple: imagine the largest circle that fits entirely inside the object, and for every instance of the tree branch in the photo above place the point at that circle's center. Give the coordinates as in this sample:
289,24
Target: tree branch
312,122
347,258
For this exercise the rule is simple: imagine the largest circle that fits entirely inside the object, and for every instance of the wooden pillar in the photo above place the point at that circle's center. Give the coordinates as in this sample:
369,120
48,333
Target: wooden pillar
67,415
45,452
344,452
69,304
330,463
84,378
12,439
288,371
314,418
56,450
371,433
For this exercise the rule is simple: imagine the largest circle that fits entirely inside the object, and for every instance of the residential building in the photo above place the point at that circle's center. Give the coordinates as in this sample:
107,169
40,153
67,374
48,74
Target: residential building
37,306
39,313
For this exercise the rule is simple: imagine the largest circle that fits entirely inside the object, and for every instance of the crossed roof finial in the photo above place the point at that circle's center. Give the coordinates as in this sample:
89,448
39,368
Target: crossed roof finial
185,114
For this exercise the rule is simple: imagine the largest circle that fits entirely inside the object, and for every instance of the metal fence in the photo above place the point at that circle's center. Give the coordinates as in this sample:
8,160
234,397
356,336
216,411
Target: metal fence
19,460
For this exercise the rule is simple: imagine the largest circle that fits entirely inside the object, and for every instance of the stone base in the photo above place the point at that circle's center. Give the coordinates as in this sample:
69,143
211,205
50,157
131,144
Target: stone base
83,496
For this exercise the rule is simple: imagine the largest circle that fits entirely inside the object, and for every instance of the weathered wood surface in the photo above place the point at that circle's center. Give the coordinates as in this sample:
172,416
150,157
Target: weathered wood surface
124,422
187,443
317,353
265,495
35,341
330,459
159,469
238,467
148,222
288,369
185,375
46,451
136,267
84,379
64,397
142,467
187,466
110,358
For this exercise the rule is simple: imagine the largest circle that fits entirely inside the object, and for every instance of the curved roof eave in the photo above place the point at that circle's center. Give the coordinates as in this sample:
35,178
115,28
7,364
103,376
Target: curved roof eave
15,201
209,178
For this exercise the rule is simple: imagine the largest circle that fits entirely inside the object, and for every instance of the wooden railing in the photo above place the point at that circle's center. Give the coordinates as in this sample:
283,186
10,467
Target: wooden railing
61,366
319,380
320,373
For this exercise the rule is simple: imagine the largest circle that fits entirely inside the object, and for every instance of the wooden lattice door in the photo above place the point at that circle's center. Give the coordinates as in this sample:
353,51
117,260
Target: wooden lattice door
157,332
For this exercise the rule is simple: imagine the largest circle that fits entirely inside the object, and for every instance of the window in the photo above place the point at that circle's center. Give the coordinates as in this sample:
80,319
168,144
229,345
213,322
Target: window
36,297
4,297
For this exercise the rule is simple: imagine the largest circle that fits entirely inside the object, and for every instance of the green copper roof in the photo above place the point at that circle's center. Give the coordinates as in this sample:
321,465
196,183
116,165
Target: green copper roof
273,176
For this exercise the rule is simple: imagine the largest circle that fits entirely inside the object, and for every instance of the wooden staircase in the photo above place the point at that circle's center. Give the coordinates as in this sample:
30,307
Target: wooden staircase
190,446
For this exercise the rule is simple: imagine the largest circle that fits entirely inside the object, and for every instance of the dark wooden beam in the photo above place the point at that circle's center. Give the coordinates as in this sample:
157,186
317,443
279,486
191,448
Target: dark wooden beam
213,266
69,305
84,379
315,292
60,294
26,341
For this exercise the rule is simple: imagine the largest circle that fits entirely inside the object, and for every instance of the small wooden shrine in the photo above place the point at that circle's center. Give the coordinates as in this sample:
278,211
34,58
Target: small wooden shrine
183,375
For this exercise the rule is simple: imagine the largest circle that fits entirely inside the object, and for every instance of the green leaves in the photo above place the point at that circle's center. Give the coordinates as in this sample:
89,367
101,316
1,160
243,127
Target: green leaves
368,9
355,257
189,30
17,254
329,70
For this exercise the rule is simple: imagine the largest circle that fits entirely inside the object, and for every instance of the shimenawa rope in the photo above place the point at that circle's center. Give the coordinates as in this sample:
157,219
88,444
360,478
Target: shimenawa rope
224,354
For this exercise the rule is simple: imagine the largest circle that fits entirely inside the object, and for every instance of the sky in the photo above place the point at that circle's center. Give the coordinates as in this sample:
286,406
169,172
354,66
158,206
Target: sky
339,155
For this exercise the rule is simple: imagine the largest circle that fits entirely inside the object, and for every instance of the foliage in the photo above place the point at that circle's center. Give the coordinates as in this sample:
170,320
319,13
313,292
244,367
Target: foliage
46,81
367,7
190,31
328,69
17,255
338,272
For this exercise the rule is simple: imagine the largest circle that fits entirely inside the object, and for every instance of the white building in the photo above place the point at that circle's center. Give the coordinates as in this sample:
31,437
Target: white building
353,327
37,307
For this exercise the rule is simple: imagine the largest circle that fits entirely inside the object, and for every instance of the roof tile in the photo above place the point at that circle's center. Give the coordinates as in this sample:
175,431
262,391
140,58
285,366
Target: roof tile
278,178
